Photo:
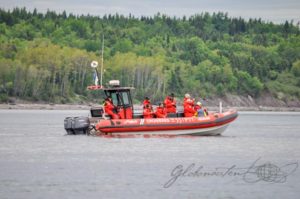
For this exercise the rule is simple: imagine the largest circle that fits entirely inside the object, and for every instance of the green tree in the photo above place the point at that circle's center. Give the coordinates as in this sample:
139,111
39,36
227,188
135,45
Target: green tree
296,68
248,85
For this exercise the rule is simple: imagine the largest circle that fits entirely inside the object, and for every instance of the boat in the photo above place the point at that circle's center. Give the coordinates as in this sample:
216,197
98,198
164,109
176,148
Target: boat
133,123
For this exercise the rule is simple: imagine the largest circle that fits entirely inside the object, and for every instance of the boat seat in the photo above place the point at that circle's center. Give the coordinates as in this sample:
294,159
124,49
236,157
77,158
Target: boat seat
180,115
172,115
137,116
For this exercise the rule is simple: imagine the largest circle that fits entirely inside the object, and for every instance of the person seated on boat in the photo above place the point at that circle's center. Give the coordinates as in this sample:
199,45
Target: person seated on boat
148,112
110,108
161,111
147,102
188,106
170,103
199,110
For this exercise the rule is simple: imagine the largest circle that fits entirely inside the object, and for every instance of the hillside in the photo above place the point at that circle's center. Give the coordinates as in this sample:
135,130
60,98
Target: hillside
46,57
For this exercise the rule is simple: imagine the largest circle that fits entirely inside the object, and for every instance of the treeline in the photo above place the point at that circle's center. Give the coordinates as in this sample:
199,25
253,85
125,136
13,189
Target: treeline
46,57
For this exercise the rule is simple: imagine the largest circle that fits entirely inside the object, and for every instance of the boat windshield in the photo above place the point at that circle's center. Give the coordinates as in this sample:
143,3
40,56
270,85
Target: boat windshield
125,98
114,98
120,98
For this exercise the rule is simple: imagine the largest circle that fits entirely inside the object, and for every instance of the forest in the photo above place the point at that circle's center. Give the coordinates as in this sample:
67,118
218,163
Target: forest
45,57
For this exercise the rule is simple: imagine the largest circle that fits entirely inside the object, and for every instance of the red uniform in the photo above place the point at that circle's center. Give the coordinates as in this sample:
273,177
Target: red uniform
188,106
187,101
170,104
146,102
109,109
148,113
161,112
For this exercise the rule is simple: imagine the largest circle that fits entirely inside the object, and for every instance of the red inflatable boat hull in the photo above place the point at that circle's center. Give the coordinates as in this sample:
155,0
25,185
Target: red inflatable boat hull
214,124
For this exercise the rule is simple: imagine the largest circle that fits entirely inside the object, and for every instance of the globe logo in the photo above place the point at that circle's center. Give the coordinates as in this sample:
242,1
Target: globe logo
269,173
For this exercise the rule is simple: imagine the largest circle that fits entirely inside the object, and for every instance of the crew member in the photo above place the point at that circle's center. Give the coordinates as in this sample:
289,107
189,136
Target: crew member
170,103
161,112
110,108
199,111
146,102
188,106
147,112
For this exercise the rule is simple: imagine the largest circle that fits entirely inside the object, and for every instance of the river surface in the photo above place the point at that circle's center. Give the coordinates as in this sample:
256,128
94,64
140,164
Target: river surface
258,156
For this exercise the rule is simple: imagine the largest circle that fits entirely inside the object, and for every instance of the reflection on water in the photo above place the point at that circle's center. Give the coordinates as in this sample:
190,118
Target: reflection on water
37,159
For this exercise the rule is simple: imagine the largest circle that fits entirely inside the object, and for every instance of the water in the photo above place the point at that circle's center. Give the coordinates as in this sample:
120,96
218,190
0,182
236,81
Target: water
37,160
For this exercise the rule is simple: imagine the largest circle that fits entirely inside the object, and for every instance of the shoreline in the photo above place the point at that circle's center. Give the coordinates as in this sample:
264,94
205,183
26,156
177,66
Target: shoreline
27,106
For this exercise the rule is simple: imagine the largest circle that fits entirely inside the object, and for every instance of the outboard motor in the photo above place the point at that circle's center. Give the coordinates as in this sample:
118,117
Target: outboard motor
68,125
77,125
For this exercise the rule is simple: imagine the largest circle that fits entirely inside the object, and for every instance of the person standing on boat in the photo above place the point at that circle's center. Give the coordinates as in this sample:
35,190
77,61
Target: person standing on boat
188,106
146,102
187,100
170,103
110,108
148,113
161,111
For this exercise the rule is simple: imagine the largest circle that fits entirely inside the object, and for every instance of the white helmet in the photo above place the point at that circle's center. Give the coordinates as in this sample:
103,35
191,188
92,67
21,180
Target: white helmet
187,95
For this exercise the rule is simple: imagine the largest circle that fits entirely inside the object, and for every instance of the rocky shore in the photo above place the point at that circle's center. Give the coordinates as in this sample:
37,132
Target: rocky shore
28,106
240,103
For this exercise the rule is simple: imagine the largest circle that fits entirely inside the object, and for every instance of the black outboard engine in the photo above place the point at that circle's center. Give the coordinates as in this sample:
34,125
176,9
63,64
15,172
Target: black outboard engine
77,125
68,125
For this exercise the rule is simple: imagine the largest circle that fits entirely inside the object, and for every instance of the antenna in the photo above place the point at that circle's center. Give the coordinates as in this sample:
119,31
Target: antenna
101,77
94,65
